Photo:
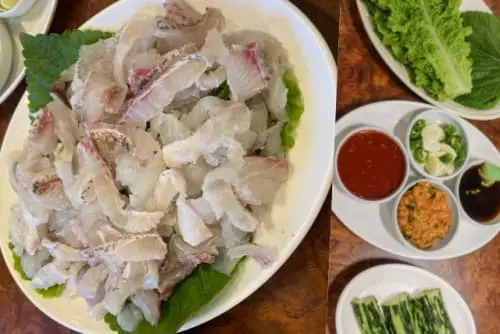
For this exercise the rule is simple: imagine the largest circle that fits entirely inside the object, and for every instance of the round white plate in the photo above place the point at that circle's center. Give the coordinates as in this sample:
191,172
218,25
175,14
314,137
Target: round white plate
312,158
5,53
387,280
37,20
401,72
374,222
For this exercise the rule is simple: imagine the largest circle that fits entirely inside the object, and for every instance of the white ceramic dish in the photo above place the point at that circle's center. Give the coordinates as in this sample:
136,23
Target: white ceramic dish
37,20
386,280
5,54
453,205
402,74
373,222
19,9
298,203
495,221
441,117
394,139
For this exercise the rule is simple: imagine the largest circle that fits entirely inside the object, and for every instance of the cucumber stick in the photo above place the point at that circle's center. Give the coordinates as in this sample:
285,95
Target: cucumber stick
399,318
369,315
430,313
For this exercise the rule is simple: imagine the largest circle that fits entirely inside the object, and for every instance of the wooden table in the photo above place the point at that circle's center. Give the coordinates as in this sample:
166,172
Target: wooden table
293,301
364,78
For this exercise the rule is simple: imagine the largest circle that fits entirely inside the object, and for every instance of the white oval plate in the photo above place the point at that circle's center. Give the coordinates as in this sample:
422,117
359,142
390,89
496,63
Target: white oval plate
37,20
386,280
402,74
312,158
373,222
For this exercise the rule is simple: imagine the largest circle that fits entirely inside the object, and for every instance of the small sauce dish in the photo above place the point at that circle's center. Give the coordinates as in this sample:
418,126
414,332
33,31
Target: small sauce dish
21,7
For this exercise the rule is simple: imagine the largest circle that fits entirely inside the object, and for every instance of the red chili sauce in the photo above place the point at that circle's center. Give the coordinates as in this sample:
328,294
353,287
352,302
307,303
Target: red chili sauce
371,165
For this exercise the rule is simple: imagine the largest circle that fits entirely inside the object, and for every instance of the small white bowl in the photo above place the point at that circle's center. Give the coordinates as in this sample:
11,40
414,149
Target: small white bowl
19,9
441,117
394,139
494,221
5,54
452,203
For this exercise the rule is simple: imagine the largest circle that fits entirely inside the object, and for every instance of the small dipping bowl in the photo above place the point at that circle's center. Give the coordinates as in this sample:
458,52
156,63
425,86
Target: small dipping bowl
469,178
363,163
440,117
5,54
19,9
453,205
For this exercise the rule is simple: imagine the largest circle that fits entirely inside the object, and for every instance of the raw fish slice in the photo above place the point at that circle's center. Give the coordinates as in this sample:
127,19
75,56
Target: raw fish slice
213,134
191,225
127,168
214,49
202,207
247,140
246,73
269,142
212,80
67,235
134,38
82,191
129,318
108,234
96,57
143,140
148,301
231,235
62,252
145,182
138,66
260,114
89,156
88,285
202,111
169,129
100,99
17,228
225,149
167,224
110,142
118,290
49,275
170,183
134,248
76,270
277,97
195,174
178,14
48,190
42,136
180,76
261,178
264,255
151,277
173,32
223,200
31,264
140,80
65,127
97,312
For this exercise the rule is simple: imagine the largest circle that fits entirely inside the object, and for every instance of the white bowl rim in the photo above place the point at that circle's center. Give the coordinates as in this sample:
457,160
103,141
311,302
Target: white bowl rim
473,163
455,211
19,9
416,166
7,51
395,139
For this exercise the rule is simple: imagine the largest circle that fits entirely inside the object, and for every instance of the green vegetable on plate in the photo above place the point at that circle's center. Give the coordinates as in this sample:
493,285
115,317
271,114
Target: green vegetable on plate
294,110
429,38
485,42
420,155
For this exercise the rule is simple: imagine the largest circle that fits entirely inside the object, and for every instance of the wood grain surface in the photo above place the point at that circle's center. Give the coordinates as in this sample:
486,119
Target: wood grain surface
293,301
364,78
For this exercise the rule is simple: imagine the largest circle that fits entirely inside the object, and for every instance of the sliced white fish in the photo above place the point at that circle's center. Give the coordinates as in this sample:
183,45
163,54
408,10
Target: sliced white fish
264,255
61,252
245,70
148,301
195,174
205,108
88,285
231,235
129,317
212,79
49,275
31,264
202,207
269,142
191,226
169,129
170,183
42,136
260,114
277,97
65,127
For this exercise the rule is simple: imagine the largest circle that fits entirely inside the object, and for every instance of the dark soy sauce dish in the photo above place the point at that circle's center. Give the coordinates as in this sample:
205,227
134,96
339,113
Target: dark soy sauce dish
371,165
480,202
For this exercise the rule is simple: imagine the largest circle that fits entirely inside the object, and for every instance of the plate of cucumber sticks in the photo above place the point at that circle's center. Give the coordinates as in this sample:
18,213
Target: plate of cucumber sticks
401,299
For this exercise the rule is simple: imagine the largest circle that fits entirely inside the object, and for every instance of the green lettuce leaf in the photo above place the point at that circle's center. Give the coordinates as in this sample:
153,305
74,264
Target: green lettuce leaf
294,110
52,292
223,92
186,301
485,42
429,38
47,56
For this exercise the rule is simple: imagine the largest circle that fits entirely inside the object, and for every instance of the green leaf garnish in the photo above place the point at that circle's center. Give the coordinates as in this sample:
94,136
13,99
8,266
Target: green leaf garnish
485,41
52,292
223,92
490,174
294,110
47,56
447,158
